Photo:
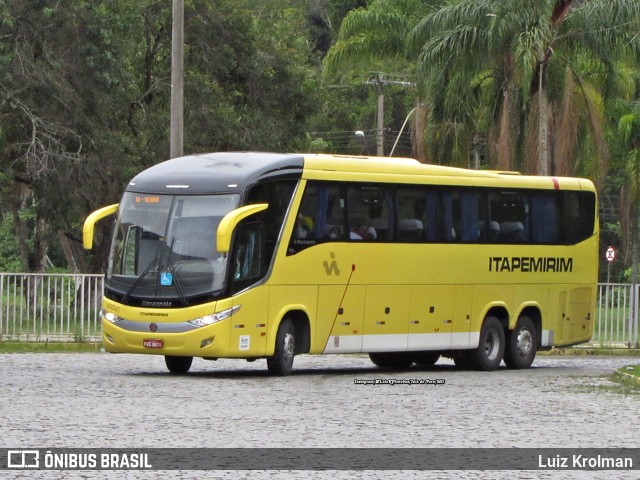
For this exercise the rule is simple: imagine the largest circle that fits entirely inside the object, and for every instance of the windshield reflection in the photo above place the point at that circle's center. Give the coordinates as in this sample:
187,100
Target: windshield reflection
164,246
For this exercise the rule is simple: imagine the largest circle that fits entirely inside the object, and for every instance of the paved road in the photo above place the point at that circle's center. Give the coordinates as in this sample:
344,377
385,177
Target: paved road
127,401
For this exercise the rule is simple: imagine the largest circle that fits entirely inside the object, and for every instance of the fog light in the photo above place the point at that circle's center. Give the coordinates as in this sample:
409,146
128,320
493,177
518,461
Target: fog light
206,342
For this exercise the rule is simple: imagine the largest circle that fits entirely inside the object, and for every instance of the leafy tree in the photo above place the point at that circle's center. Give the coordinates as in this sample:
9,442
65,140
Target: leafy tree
84,100
530,76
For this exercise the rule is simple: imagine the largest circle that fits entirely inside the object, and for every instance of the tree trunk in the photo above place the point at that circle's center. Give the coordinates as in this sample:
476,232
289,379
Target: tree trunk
634,267
21,193
419,128
543,129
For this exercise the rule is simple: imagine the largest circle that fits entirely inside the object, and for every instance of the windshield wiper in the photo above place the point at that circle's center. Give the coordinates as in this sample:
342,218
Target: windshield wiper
139,279
172,271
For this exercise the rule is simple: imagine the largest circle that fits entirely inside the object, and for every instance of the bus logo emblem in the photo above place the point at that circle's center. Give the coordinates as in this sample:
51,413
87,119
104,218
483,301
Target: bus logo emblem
153,327
331,268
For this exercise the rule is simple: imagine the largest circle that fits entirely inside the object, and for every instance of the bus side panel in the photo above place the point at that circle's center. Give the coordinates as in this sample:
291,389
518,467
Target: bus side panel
386,318
340,319
577,306
431,317
461,335
247,336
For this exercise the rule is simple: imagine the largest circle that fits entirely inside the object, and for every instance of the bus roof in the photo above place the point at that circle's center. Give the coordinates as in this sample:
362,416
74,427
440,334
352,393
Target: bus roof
214,172
235,171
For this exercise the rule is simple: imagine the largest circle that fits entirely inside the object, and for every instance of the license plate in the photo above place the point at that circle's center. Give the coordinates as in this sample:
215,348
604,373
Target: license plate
152,343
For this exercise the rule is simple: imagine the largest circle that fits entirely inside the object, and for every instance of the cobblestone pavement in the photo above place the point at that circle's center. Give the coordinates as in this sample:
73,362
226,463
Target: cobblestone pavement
131,401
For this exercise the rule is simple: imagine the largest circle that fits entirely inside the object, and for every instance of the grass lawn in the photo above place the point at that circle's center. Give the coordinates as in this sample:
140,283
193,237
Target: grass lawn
53,347
628,377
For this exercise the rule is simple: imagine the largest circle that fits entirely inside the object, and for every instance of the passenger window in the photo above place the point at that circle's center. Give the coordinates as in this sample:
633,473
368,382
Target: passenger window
579,210
320,217
545,218
277,194
510,212
466,215
433,219
410,205
369,208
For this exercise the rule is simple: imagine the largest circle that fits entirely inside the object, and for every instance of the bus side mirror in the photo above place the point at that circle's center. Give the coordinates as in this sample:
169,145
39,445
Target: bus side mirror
231,220
90,222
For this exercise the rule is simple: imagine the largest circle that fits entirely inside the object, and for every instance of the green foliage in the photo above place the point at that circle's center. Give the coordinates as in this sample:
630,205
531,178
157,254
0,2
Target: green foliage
84,98
9,257
85,87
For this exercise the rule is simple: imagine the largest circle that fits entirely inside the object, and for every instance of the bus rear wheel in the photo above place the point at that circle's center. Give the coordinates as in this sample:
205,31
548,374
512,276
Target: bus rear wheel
397,360
490,350
522,344
178,365
281,362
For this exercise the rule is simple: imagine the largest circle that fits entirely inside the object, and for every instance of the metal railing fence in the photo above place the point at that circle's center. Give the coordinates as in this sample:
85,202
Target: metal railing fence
66,307
50,307
616,316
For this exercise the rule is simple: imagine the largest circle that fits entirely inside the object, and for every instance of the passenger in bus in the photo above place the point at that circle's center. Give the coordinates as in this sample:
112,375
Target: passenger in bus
511,232
371,234
304,226
335,233
359,232
363,232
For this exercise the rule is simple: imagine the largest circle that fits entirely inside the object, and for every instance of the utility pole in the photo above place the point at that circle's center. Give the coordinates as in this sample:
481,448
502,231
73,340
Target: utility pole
380,80
176,138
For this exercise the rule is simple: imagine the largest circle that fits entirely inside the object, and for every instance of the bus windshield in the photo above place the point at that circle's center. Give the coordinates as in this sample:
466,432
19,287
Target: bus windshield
164,248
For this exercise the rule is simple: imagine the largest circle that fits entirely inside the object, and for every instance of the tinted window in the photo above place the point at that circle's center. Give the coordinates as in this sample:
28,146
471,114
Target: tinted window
433,214
370,212
321,216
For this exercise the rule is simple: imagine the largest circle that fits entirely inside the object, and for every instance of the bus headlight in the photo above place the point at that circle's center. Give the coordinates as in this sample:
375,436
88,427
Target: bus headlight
110,317
215,317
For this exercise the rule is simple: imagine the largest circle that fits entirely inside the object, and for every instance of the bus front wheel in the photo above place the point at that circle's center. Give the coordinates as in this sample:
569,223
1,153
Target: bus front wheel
281,362
522,344
490,350
178,365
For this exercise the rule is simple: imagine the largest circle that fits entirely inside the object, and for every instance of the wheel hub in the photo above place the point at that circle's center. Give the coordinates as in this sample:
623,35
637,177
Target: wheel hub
491,346
524,343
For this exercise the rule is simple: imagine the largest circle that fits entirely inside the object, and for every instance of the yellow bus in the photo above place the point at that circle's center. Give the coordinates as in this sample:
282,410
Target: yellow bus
265,255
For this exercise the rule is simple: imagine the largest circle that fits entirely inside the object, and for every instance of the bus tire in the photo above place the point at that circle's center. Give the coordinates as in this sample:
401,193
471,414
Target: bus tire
281,362
521,344
178,365
490,350
461,361
396,360
426,359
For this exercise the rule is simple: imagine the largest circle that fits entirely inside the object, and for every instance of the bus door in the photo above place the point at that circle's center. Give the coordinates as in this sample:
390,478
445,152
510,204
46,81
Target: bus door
249,264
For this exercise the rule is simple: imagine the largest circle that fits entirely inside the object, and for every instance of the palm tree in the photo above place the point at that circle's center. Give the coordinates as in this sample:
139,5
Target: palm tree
373,39
525,57
629,129
368,35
